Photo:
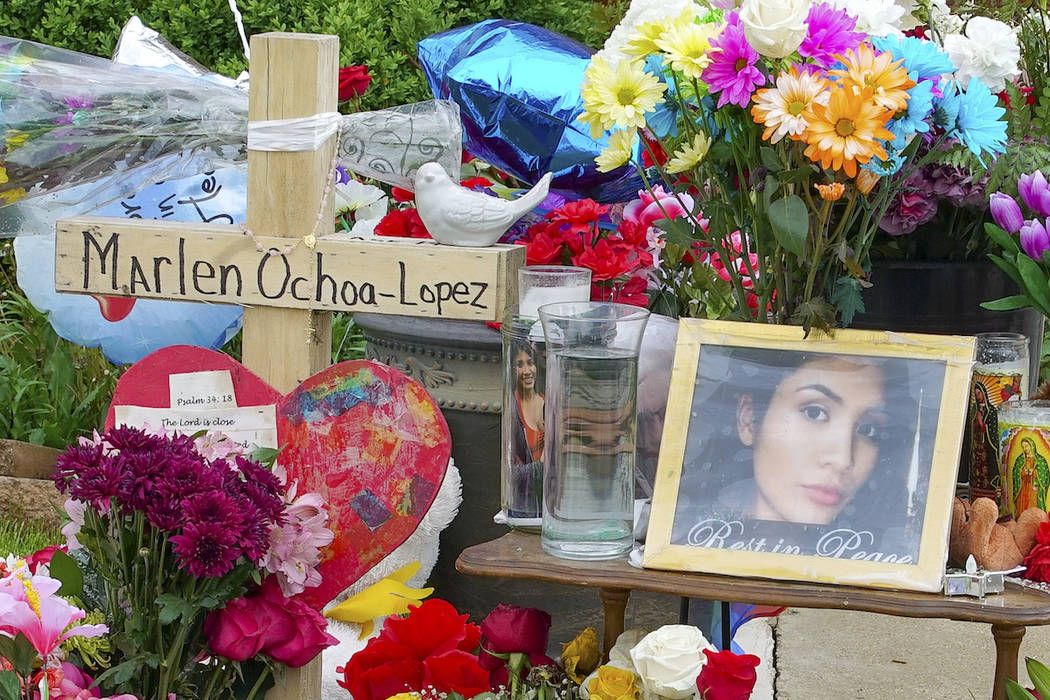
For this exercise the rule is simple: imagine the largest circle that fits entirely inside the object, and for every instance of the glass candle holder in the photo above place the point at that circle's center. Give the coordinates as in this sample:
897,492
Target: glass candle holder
1000,374
1024,451
524,363
591,427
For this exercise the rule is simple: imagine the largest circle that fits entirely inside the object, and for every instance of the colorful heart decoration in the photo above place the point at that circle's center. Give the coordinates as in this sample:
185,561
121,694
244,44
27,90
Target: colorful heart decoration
366,437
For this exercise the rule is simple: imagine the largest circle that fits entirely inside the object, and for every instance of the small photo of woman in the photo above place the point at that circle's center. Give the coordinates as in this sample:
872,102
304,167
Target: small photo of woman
797,444
526,434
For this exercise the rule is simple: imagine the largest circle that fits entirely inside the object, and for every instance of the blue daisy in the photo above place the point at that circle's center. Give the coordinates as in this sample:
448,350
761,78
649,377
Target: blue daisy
923,59
974,117
885,168
913,119
664,120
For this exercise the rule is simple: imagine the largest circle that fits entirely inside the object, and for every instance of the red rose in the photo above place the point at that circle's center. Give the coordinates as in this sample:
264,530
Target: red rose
433,627
509,629
353,81
455,671
236,631
286,629
1037,563
404,223
383,668
727,676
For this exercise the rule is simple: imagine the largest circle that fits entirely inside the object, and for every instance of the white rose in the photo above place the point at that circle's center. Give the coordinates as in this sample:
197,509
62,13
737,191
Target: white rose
774,28
987,51
668,660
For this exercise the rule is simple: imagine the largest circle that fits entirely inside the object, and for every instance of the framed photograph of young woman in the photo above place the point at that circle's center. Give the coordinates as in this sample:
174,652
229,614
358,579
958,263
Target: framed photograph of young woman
828,459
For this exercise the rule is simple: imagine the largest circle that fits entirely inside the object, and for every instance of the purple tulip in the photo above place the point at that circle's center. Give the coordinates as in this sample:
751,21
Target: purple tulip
1006,212
1035,192
1035,239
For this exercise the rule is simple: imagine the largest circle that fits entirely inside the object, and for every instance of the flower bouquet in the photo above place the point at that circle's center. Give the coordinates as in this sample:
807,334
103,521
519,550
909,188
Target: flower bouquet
433,652
193,552
1025,243
792,126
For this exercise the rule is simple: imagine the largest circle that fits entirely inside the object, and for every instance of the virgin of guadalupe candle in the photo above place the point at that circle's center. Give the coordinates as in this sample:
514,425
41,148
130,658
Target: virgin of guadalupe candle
1000,374
1024,451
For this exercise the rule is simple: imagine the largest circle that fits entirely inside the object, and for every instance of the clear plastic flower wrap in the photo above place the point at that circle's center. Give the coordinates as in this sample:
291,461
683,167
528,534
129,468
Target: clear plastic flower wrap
68,118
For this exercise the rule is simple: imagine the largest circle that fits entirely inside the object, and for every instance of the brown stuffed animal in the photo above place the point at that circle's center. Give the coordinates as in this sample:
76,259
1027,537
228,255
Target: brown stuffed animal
995,546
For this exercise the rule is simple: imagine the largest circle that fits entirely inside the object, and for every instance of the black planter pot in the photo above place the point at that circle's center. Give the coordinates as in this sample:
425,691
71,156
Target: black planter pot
945,298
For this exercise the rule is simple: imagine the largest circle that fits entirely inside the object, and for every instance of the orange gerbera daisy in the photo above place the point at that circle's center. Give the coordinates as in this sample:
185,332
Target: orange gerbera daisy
888,80
847,130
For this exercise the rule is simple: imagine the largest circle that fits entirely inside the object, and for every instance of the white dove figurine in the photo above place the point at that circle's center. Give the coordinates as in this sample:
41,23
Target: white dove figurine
455,215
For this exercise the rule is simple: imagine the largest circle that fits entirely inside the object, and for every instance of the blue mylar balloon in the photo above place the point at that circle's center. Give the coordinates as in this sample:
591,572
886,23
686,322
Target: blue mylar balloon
152,324
518,89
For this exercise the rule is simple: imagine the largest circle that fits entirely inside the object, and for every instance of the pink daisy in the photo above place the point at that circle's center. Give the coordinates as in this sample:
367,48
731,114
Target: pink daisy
830,33
732,69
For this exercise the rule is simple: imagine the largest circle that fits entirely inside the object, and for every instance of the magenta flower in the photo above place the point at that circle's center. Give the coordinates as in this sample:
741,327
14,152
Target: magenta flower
732,70
830,33
1035,192
1006,212
206,550
1035,238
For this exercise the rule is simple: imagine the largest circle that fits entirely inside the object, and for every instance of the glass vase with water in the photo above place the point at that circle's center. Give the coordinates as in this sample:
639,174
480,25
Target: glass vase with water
591,426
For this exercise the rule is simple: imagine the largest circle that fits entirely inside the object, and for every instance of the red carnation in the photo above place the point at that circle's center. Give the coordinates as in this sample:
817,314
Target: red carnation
542,250
353,81
607,260
475,182
727,676
402,195
402,223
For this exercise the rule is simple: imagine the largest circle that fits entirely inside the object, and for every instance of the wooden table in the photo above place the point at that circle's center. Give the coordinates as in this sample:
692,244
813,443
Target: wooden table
519,555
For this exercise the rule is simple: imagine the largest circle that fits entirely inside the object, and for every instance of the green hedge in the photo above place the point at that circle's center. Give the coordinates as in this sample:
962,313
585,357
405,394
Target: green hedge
380,34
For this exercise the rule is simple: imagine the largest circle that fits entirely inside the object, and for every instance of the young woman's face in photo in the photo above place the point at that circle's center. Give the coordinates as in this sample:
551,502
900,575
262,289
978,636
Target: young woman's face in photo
818,441
525,370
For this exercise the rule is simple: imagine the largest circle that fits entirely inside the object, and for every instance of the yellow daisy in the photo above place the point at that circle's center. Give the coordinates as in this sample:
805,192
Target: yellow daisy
618,152
782,108
689,155
643,41
887,79
847,130
618,96
688,47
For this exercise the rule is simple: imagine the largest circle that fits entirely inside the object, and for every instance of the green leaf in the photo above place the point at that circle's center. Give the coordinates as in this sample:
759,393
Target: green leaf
676,232
66,570
1008,267
1034,282
847,299
770,188
19,652
770,159
121,673
1040,675
1017,301
1002,239
1015,691
790,222
173,607
9,686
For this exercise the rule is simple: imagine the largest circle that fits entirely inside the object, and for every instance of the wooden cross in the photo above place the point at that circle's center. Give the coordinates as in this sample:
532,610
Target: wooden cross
287,298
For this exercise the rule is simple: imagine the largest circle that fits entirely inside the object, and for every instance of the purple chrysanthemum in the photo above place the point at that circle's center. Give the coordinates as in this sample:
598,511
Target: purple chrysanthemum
75,459
206,550
97,483
732,70
127,438
165,511
212,507
830,34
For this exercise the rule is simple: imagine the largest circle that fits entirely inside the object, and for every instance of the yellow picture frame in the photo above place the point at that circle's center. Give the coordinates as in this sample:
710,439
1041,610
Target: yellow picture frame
682,540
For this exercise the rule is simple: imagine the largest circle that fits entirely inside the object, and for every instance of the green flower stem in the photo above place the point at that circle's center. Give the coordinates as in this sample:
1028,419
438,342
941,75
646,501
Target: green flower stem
258,683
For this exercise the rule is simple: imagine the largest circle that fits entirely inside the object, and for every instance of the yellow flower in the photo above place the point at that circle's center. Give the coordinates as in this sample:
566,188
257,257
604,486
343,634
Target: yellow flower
865,181
613,683
581,656
16,138
688,47
782,108
843,133
887,79
618,96
618,152
643,41
831,192
689,155
12,196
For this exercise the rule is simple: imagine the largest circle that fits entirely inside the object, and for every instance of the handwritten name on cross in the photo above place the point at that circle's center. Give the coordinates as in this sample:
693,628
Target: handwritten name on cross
287,327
